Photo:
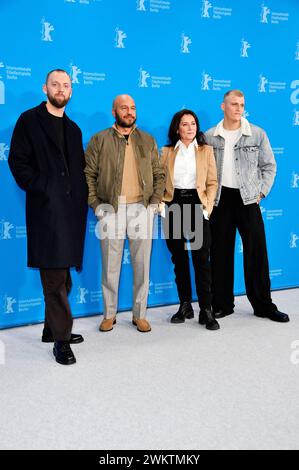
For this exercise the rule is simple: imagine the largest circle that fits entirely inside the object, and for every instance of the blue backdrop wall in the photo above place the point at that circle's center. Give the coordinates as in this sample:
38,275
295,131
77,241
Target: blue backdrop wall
167,54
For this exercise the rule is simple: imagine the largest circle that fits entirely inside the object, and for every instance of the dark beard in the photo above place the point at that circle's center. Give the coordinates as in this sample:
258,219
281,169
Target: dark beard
58,104
122,123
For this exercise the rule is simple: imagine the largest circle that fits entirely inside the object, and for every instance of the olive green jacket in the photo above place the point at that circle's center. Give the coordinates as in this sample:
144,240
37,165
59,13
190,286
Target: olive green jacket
104,157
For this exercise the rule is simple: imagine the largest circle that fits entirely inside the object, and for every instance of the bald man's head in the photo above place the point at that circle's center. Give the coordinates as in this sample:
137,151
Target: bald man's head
120,99
124,111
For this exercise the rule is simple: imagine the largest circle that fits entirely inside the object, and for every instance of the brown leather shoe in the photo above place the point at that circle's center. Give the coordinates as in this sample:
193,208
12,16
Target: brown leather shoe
107,324
142,324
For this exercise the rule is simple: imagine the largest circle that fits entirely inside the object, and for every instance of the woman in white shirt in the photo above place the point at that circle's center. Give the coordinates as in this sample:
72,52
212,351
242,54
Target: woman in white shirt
191,186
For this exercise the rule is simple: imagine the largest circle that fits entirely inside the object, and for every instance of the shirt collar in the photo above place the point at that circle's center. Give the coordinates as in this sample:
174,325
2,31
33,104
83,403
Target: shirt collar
119,133
181,145
245,128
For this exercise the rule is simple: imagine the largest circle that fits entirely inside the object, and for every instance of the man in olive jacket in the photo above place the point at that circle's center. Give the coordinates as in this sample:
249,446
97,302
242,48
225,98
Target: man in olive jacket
47,160
125,182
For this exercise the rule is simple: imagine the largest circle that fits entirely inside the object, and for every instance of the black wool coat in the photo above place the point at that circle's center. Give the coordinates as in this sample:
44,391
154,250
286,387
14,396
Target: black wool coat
56,192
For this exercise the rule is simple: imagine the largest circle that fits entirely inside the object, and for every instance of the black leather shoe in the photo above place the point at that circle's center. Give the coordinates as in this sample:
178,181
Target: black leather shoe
63,353
185,311
206,317
275,316
47,337
221,313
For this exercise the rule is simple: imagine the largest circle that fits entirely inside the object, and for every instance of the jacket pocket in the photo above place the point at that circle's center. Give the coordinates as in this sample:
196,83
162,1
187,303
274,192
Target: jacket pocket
251,154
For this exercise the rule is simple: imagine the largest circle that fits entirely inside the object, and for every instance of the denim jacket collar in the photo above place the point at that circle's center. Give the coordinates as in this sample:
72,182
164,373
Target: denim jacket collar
245,128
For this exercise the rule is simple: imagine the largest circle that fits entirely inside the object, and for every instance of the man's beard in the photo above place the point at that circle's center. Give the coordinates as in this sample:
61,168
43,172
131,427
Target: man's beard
58,103
122,123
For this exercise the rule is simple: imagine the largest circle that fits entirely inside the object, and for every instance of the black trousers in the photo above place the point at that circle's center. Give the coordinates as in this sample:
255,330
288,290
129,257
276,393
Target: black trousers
231,214
57,285
180,253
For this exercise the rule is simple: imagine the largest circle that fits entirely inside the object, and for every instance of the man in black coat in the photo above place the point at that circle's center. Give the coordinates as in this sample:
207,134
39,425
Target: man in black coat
47,161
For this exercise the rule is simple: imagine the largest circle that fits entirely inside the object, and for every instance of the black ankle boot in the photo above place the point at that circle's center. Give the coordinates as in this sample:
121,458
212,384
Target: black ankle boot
63,353
185,311
206,317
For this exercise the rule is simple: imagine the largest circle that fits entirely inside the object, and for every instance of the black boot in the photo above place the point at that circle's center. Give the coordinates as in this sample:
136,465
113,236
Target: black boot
206,317
63,353
47,337
185,311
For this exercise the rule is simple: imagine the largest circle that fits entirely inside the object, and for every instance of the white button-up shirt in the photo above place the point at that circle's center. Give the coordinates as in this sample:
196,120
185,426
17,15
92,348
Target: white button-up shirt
185,166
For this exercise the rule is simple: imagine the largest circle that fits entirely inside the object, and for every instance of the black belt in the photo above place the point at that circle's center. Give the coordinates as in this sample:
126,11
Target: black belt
185,192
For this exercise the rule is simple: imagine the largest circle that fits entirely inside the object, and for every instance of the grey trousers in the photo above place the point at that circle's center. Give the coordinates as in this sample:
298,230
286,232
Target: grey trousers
136,222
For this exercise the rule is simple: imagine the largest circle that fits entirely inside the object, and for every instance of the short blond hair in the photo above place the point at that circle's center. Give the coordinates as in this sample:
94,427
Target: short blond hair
238,93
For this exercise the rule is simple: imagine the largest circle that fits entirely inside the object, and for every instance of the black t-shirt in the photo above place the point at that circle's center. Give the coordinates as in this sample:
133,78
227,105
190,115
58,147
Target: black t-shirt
58,124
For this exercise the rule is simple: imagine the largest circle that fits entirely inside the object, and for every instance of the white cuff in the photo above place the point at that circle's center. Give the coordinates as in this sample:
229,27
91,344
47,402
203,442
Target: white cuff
99,212
162,211
205,214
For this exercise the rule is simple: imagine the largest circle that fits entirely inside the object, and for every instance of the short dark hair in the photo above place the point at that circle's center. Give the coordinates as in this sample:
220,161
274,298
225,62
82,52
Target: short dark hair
57,70
173,135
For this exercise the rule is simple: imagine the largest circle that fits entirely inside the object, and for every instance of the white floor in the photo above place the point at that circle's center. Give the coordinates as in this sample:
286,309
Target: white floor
178,387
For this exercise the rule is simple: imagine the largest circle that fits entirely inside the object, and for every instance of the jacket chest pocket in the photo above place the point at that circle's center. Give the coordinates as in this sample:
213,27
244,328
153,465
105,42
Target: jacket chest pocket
251,154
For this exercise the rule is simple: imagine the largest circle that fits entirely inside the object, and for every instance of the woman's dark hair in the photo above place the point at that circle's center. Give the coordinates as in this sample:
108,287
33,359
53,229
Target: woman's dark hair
173,135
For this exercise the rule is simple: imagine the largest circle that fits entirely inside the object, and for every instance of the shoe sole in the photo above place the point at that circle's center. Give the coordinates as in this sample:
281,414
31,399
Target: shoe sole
77,342
218,317
53,341
272,319
216,327
141,331
106,331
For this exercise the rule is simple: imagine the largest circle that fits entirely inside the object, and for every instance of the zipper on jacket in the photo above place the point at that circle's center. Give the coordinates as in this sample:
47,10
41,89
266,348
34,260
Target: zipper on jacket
116,196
